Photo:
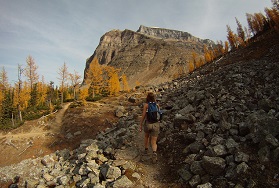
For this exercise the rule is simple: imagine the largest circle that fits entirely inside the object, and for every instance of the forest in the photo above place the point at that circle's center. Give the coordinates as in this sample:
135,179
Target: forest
30,97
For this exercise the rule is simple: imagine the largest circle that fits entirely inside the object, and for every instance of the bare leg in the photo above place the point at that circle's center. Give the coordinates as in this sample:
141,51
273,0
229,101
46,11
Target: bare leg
154,148
146,140
154,143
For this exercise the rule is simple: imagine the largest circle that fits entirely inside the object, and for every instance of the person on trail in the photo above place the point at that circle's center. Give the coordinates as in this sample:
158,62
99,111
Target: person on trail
151,128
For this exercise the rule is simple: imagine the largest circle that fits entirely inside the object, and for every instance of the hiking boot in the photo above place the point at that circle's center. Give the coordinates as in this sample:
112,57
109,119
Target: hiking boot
145,151
154,157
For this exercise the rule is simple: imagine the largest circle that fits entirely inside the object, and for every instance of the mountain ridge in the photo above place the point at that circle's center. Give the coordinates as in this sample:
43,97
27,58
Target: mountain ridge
150,56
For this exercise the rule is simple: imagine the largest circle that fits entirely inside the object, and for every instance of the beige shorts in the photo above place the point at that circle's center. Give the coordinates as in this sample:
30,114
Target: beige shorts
152,128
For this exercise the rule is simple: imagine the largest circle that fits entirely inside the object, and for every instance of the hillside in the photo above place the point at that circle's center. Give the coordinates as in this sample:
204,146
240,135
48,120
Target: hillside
150,55
220,129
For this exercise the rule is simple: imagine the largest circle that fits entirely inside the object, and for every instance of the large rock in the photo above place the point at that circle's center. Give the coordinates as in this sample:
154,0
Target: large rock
213,165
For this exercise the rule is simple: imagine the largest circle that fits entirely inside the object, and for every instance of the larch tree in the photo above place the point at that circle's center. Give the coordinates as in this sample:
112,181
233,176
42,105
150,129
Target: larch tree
275,4
226,49
231,38
191,66
42,91
18,97
125,83
83,94
249,22
4,87
30,71
114,84
94,76
111,80
273,17
194,59
4,82
260,19
63,77
207,54
220,48
75,81
240,33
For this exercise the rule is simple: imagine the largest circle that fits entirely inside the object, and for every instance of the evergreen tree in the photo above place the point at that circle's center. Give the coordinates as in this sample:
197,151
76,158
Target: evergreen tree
231,38
240,33
94,77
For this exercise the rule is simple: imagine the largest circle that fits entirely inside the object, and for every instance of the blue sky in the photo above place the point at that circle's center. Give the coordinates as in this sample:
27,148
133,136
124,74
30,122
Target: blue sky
58,31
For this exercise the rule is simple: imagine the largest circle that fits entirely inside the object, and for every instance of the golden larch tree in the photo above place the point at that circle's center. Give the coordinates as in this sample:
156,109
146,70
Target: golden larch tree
63,77
240,33
42,92
30,71
231,38
83,94
75,81
114,84
4,86
125,83
94,76
191,67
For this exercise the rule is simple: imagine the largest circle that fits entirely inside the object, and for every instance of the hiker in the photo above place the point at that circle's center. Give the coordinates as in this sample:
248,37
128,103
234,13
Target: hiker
151,129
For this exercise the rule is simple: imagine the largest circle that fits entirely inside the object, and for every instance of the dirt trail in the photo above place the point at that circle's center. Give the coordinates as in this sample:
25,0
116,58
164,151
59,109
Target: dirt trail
30,140
38,130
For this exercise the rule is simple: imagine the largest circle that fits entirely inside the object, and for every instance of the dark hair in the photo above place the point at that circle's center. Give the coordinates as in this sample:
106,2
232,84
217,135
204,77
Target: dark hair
150,97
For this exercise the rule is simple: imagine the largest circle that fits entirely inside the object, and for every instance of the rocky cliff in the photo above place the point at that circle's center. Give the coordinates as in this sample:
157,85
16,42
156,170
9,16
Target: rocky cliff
150,55
171,34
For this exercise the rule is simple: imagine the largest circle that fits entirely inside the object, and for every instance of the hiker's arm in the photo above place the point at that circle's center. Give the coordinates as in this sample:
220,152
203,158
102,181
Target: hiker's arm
145,106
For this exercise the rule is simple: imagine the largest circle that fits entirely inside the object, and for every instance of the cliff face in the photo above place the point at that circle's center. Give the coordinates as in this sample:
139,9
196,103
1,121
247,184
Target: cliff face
172,34
150,55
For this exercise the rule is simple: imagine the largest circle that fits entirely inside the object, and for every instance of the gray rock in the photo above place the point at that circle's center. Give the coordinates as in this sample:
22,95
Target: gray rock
213,165
271,140
196,168
195,180
185,174
63,180
219,150
206,185
241,157
94,177
242,168
110,172
264,154
186,110
123,181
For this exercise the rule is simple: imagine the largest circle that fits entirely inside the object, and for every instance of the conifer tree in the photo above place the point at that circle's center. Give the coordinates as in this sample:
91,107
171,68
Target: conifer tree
42,92
94,76
75,81
191,66
250,23
231,38
114,84
275,4
207,55
83,94
240,33
30,71
125,83
63,77
4,88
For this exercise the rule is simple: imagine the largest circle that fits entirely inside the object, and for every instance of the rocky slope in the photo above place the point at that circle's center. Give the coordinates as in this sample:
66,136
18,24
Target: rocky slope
150,55
220,129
